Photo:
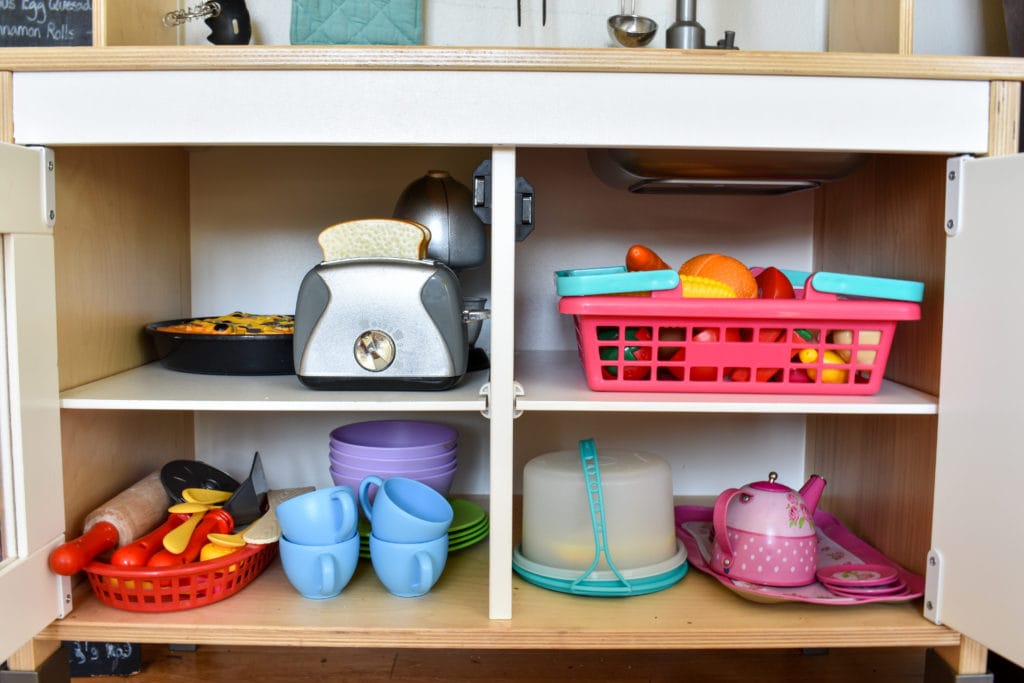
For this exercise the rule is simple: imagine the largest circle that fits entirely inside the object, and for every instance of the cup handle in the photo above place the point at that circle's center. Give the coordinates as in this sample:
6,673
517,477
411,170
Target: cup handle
326,574
364,492
426,570
348,512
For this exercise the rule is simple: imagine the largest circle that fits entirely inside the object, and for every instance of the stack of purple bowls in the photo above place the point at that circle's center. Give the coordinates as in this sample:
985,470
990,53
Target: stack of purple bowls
424,451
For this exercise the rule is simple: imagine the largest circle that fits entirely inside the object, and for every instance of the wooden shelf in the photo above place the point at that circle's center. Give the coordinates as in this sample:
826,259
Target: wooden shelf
153,387
696,613
542,59
553,380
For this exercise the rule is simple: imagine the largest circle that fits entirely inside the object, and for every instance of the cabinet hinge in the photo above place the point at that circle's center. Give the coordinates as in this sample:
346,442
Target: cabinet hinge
28,199
65,603
518,391
933,586
525,209
954,175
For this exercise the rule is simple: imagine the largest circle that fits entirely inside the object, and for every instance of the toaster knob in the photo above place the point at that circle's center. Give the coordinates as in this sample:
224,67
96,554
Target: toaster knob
374,350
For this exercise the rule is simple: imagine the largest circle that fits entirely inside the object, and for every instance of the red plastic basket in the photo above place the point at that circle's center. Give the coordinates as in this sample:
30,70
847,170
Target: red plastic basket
817,343
169,590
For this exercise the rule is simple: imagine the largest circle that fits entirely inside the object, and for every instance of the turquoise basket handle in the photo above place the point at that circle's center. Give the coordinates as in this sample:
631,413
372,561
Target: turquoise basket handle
595,497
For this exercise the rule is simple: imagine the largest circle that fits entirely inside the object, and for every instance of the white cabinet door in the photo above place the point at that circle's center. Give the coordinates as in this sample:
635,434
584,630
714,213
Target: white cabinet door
977,535
32,491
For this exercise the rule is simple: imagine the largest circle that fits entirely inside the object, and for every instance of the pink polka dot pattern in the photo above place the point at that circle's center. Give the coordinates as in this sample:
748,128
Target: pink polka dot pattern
771,560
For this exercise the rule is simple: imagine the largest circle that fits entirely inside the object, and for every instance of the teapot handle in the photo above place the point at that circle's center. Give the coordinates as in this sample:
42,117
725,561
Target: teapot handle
721,527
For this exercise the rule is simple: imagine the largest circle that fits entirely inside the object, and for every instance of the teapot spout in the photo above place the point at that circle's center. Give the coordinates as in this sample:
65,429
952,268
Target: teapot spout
811,491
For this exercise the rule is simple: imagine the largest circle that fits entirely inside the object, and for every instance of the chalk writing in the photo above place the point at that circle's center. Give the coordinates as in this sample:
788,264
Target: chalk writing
88,658
32,23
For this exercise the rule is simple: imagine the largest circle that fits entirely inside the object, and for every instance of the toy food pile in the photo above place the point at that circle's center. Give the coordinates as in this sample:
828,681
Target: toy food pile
719,276
237,323
715,276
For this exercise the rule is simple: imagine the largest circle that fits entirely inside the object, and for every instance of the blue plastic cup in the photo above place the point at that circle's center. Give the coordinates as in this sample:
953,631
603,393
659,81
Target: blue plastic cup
322,517
319,571
408,570
405,510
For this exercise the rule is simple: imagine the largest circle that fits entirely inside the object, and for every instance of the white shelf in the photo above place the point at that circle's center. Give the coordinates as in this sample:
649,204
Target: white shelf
553,380
153,387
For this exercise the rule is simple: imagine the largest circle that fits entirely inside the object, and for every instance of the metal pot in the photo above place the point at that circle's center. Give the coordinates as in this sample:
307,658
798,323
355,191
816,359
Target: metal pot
457,236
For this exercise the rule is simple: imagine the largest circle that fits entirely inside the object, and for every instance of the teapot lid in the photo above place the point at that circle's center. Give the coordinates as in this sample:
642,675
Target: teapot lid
770,485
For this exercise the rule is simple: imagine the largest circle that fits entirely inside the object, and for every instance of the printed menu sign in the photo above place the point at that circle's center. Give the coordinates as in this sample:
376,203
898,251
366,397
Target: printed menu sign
33,23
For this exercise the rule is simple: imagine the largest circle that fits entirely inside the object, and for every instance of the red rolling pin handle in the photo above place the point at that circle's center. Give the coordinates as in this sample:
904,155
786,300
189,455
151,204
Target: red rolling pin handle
72,557
138,553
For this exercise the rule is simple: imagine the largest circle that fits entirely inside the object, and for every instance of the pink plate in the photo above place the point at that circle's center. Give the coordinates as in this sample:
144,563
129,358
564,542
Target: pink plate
857,575
870,592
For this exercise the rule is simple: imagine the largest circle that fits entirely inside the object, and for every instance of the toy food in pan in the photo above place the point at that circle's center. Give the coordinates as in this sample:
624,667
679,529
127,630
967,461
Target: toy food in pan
234,344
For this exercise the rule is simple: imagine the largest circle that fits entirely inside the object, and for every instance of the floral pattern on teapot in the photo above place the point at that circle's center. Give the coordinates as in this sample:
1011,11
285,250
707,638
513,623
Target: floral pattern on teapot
798,513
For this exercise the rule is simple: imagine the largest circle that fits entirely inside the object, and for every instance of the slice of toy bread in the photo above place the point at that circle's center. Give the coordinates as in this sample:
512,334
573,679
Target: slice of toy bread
374,237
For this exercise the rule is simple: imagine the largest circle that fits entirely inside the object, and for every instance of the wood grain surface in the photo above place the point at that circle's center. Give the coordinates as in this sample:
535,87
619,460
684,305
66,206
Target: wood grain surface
427,58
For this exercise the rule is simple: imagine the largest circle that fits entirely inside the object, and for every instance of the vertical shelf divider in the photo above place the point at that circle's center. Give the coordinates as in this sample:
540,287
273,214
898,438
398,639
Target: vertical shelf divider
501,401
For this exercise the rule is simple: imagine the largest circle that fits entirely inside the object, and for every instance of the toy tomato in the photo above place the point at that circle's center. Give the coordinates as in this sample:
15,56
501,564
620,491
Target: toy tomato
772,283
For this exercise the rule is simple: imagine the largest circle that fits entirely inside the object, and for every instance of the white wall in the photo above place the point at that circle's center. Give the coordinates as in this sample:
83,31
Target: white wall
951,27
959,27
792,25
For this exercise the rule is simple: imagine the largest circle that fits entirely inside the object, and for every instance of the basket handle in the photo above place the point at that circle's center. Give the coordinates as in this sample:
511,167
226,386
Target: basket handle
595,499
824,285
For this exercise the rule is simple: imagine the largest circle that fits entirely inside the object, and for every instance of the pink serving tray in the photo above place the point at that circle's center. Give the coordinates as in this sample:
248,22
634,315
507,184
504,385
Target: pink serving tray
836,545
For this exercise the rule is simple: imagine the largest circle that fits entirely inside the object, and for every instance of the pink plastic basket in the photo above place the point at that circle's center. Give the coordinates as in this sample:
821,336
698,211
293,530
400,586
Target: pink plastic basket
817,343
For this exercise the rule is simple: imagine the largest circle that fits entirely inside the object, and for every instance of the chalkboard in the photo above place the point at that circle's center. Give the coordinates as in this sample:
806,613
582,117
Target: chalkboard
34,23
88,658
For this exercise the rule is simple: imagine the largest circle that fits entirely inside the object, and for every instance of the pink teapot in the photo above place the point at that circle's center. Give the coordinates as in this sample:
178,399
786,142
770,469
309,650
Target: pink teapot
764,533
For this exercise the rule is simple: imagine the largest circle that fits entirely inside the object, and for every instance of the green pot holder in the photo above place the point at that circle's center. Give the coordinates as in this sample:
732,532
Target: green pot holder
357,22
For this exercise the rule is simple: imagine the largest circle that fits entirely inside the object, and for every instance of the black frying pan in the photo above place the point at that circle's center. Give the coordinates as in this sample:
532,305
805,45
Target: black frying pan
247,499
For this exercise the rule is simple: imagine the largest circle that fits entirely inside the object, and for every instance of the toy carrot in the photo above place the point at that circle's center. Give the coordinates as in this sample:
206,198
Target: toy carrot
640,257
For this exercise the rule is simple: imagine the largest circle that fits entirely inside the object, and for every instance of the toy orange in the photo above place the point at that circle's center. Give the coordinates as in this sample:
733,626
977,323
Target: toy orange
724,269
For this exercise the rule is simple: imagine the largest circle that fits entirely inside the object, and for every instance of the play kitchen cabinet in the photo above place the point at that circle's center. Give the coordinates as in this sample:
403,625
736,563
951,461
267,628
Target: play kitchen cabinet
145,142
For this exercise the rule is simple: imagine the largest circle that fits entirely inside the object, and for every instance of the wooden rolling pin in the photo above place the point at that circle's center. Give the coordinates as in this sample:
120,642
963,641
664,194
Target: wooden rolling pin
126,517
